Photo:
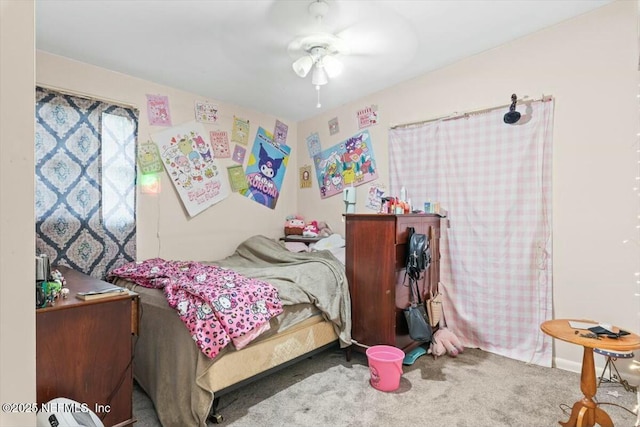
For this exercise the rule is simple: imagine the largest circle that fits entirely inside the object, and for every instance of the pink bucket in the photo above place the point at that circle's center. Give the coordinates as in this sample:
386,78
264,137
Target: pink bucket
385,367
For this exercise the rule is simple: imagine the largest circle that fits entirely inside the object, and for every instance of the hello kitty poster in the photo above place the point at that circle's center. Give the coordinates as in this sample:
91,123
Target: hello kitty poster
265,169
188,159
220,142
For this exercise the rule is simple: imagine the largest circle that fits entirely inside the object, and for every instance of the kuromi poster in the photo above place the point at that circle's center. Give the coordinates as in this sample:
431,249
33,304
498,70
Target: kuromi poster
188,158
265,169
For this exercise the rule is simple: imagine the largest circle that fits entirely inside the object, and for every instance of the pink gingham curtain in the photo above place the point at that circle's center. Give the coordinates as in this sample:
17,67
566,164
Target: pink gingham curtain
495,181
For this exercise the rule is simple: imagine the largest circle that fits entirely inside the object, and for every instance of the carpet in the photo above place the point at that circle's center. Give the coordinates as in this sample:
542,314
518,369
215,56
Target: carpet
476,388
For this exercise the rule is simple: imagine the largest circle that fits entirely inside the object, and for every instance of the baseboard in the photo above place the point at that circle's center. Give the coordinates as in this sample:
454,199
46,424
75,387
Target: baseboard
632,376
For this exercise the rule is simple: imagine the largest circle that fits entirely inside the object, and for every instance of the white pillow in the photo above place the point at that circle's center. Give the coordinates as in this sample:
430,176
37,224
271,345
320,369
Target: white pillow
296,246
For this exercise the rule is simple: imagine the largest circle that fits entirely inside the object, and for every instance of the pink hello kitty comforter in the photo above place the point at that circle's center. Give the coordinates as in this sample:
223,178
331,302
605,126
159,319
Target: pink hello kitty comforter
218,305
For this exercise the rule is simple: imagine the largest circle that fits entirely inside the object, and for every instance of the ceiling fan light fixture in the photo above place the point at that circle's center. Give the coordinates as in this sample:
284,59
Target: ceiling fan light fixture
303,65
319,76
317,51
332,66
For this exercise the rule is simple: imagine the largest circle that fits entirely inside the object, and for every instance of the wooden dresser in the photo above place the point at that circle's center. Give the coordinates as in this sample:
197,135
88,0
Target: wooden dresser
84,350
376,250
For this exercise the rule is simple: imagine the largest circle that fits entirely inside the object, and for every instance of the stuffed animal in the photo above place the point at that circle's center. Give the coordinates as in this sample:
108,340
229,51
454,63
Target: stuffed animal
294,225
324,230
445,341
311,229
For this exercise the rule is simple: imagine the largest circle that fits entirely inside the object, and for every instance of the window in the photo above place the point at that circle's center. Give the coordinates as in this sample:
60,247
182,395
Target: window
85,170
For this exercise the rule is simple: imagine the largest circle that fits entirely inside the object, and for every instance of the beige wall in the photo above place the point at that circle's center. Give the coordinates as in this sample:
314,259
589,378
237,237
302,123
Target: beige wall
17,240
590,66
164,228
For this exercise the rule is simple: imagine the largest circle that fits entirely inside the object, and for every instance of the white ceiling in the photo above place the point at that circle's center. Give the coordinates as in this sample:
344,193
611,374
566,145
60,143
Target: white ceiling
236,51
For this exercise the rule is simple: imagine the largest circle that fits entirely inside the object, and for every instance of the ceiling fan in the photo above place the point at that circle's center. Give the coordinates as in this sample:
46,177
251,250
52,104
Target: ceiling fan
318,51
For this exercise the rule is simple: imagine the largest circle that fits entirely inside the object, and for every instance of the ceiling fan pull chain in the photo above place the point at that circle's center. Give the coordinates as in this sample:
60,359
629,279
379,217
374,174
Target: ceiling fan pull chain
318,105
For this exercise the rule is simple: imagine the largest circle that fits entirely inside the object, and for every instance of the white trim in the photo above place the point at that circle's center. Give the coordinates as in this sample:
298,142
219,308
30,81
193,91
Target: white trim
633,377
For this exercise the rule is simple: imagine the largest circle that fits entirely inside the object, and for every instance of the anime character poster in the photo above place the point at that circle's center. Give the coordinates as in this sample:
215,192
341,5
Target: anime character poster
189,161
206,112
334,126
240,131
149,158
220,142
239,153
265,169
237,179
350,162
158,110
367,116
280,133
313,144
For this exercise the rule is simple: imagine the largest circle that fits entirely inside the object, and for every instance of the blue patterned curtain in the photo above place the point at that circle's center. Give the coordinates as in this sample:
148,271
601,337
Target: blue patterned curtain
85,182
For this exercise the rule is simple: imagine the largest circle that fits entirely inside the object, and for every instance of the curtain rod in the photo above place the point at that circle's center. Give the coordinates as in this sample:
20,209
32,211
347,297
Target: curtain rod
87,95
457,115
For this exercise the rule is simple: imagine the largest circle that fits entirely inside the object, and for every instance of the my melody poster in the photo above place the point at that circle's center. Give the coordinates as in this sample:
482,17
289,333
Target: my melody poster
188,158
265,169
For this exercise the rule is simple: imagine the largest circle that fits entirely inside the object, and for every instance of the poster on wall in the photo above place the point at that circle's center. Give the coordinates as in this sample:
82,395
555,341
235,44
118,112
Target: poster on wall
220,143
237,178
158,110
305,176
188,159
280,133
334,126
206,112
149,158
238,154
350,162
368,117
240,131
265,169
313,144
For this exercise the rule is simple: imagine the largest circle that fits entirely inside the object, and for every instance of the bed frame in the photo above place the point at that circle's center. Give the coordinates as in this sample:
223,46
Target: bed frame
302,341
185,385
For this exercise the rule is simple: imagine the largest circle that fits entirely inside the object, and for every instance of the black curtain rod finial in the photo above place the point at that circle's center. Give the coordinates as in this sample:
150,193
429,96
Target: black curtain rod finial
512,116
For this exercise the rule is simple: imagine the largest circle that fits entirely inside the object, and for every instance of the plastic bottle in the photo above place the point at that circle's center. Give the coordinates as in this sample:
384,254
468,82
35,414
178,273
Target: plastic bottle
403,194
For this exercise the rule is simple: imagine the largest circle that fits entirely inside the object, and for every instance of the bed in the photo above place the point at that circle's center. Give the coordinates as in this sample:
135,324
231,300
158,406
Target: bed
185,385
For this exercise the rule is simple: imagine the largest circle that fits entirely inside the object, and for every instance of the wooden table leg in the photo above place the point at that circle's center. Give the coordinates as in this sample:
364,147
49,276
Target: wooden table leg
585,412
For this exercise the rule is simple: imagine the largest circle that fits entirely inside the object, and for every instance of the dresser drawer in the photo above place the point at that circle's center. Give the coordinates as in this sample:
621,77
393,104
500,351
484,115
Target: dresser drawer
421,224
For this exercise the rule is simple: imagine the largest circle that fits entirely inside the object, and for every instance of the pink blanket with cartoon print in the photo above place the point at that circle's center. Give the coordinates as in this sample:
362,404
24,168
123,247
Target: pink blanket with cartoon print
218,305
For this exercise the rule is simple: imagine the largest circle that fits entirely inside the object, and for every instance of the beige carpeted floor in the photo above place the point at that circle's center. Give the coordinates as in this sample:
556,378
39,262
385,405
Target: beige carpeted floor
475,389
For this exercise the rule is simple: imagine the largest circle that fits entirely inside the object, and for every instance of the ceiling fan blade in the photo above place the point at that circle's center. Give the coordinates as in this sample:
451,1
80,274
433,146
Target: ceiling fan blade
367,38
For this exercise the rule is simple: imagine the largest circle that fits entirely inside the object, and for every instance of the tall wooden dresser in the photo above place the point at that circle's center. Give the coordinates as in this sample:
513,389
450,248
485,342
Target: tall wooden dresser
376,250
84,350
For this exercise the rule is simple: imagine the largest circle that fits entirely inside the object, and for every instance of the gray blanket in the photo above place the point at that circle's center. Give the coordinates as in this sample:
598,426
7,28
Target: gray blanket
302,277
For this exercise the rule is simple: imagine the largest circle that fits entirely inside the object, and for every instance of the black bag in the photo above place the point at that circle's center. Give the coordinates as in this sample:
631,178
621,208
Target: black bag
418,323
418,254
417,317
418,260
